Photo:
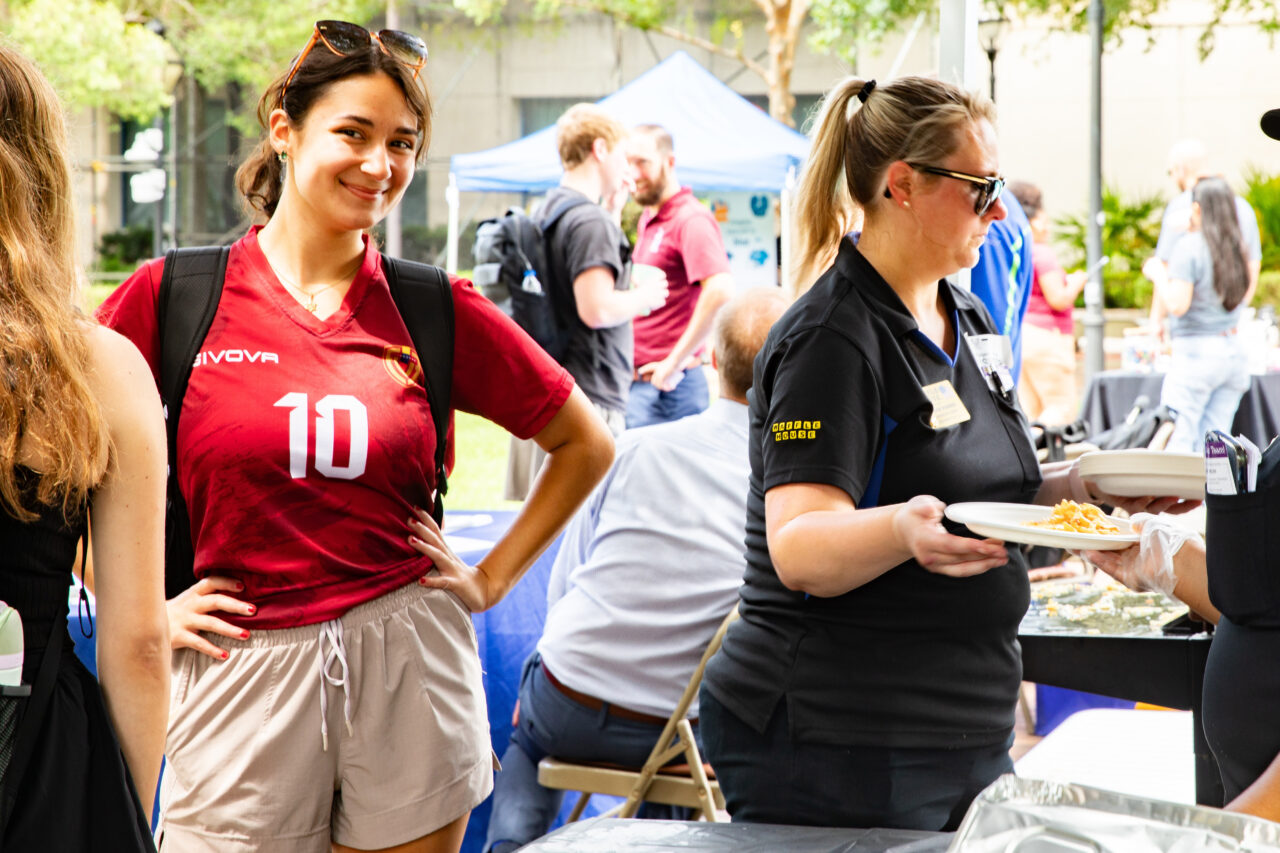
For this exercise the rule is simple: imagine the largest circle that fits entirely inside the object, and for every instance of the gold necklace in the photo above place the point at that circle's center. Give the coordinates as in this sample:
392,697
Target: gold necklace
310,295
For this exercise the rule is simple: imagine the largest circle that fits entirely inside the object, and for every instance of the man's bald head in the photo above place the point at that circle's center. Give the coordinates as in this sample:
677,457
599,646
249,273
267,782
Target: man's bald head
741,329
1188,162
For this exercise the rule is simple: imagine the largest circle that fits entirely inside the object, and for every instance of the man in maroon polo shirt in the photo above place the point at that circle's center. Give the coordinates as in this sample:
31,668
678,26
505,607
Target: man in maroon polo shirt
679,236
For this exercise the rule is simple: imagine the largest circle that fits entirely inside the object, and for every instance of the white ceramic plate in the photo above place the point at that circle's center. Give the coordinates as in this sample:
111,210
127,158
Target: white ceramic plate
1145,473
1006,522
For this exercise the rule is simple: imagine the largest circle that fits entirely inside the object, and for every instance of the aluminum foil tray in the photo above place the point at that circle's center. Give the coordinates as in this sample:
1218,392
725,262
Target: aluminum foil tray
1034,816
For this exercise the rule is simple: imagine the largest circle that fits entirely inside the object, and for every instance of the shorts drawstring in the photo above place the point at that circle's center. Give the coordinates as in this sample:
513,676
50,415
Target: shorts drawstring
332,631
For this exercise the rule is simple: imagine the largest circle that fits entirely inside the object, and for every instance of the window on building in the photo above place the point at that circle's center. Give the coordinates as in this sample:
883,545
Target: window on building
806,106
537,113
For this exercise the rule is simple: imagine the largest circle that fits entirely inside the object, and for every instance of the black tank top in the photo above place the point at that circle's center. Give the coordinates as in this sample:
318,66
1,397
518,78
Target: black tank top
37,559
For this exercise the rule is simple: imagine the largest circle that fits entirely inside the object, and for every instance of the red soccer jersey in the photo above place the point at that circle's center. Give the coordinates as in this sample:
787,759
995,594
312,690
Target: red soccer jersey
304,444
683,240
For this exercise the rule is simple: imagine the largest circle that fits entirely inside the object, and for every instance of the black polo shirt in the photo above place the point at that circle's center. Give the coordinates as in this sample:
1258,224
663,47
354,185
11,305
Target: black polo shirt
911,658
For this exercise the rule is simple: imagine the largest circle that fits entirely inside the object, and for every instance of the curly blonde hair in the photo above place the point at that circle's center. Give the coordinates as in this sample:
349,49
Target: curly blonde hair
46,405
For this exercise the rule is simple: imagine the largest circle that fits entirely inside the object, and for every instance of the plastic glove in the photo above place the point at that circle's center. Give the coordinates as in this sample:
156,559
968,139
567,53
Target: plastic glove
1148,566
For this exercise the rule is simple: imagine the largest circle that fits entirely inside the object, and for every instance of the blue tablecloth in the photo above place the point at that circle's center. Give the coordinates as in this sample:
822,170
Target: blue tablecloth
506,635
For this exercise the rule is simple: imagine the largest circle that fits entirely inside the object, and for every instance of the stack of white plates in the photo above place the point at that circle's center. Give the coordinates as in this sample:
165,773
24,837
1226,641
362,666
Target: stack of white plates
1145,473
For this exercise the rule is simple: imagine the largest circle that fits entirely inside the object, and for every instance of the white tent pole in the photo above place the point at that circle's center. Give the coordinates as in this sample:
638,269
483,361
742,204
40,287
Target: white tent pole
451,245
958,42
786,214
906,46
958,59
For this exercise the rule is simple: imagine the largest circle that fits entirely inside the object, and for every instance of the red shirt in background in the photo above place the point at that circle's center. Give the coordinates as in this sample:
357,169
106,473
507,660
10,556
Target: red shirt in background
1039,312
305,443
683,240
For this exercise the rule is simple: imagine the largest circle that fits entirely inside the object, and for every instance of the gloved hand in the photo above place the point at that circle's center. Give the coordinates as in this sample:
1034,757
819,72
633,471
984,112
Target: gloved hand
1147,566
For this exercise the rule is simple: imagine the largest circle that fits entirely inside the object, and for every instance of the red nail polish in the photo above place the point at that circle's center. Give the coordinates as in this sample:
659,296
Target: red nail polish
252,610
244,635
225,655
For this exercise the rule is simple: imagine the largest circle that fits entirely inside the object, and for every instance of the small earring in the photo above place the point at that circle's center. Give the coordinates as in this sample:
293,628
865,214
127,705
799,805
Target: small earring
283,156
906,204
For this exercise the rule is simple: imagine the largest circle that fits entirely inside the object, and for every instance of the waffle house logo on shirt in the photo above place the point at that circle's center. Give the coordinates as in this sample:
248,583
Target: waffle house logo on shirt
795,430
402,364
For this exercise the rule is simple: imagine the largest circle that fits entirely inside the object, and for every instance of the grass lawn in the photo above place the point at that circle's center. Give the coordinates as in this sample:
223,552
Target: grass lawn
480,465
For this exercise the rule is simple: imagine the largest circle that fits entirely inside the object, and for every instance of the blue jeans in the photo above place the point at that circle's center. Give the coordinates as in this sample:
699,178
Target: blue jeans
647,405
1205,382
553,724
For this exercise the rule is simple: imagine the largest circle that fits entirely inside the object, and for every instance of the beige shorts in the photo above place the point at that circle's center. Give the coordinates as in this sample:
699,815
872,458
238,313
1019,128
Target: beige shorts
252,768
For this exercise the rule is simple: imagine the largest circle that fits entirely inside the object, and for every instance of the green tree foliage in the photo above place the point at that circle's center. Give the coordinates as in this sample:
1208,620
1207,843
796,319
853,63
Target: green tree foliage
92,53
839,25
1262,191
249,41
1124,14
118,54
1129,233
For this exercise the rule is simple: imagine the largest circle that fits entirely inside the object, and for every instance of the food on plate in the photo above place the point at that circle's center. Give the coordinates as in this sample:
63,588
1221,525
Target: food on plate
1077,518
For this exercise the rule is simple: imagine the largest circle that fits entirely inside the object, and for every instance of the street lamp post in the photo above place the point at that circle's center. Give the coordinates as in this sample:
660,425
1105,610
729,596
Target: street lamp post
991,33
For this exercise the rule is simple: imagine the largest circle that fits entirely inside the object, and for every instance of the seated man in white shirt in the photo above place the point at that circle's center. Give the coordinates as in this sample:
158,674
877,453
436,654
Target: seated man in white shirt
648,569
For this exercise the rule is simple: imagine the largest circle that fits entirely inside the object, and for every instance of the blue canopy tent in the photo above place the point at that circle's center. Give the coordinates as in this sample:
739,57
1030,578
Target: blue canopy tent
723,142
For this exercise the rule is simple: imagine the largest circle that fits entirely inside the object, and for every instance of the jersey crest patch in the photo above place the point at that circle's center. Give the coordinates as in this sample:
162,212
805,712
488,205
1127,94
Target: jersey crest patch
402,365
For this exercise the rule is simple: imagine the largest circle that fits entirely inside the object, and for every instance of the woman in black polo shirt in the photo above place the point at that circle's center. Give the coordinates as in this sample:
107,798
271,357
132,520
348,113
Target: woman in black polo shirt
872,678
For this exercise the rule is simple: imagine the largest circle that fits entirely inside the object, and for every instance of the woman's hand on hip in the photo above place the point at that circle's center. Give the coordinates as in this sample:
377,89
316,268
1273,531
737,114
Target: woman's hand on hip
918,525
469,583
190,613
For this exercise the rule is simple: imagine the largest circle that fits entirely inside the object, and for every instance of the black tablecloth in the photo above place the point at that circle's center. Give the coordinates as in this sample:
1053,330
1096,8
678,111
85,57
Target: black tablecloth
1110,395
599,835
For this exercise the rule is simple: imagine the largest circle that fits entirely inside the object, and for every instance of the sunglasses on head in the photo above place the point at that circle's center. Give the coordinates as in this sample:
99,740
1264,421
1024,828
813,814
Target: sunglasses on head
344,39
989,188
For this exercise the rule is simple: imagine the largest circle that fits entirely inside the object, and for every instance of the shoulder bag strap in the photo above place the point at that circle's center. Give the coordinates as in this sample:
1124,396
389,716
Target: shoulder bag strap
189,292
424,298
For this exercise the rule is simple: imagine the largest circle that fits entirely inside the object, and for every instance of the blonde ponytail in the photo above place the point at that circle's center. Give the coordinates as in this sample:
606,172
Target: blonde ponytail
914,119
824,208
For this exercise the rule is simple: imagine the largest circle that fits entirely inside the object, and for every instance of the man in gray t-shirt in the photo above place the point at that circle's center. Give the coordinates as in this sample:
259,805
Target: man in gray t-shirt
590,285
1188,163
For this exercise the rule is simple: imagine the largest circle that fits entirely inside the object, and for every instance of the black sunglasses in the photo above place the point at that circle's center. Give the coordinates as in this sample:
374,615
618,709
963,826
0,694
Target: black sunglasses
344,38
987,195
991,187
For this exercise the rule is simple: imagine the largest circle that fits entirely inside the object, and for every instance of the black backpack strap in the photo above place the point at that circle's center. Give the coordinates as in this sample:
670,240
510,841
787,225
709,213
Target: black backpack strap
424,298
189,292
549,218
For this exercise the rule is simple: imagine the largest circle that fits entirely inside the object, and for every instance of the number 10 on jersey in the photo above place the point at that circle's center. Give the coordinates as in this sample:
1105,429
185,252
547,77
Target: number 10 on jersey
326,409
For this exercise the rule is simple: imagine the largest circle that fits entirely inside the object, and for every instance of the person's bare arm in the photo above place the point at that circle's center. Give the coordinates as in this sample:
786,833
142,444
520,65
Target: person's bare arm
1158,273
1060,290
579,451
822,544
128,551
601,306
1255,269
1262,798
1175,296
716,291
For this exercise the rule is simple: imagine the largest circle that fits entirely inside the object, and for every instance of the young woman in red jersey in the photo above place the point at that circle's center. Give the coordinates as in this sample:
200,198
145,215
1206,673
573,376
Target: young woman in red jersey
327,692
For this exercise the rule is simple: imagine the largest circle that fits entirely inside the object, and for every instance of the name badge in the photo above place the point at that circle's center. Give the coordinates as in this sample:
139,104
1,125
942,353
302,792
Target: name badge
994,356
948,409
